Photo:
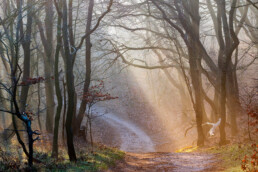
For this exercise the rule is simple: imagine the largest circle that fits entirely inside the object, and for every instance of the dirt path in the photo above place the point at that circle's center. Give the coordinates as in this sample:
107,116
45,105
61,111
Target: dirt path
166,162
132,138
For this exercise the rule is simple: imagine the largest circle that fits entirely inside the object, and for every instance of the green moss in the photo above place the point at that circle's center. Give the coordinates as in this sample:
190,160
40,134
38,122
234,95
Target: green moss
102,158
231,155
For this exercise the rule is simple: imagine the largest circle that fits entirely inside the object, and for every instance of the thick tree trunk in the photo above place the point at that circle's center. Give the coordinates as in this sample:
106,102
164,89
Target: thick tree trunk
195,74
49,92
47,41
233,102
227,47
223,75
195,67
70,112
70,86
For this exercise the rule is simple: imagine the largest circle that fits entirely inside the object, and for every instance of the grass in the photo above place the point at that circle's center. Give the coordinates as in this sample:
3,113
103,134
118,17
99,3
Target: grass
232,155
101,159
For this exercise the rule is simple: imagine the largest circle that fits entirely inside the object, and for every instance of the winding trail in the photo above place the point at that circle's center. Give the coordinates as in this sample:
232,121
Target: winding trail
140,151
168,162
133,138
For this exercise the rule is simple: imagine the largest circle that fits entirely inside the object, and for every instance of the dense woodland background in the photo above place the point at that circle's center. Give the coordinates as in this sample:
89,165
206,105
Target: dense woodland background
171,68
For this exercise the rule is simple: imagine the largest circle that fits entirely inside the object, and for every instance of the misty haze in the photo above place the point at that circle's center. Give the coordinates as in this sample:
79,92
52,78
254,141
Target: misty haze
129,85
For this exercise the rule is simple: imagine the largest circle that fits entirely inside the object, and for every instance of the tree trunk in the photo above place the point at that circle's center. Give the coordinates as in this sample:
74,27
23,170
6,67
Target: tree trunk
70,86
64,110
223,75
88,69
39,97
215,112
228,44
233,102
58,91
195,68
47,41
26,45
196,81
49,91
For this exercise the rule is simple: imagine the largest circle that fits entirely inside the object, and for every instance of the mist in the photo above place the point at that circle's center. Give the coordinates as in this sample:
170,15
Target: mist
128,80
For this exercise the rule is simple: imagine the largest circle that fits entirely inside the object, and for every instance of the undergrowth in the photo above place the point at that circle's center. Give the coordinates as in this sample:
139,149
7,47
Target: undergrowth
100,159
232,156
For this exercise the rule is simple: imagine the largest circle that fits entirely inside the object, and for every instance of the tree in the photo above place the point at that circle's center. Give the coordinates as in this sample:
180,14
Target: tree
46,35
88,46
18,110
88,68
57,87
180,27
25,41
70,51
69,60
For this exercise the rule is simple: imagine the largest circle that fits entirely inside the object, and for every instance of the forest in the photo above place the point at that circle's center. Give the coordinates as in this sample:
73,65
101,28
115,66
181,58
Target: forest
129,85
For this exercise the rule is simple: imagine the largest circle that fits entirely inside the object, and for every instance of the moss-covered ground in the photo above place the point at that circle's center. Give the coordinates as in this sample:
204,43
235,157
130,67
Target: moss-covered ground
101,158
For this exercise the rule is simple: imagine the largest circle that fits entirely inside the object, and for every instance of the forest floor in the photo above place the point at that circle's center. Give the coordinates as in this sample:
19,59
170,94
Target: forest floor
91,159
227,158
165,162
212,157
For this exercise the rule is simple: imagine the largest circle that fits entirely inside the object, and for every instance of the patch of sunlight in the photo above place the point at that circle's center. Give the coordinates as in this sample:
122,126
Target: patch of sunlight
103,156
187,149
144,80
234,169
211,149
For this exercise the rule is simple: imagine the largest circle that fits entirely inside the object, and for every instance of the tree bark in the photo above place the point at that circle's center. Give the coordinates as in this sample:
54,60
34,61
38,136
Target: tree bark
233,102
88,68
197,84
195,55
58,91
70,85
47,41
227,44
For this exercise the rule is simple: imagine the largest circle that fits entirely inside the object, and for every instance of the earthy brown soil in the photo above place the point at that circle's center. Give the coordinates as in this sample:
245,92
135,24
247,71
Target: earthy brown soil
166,162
